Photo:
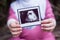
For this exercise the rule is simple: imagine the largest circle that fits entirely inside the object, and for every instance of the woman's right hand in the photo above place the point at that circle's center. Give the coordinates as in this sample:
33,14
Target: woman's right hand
15,29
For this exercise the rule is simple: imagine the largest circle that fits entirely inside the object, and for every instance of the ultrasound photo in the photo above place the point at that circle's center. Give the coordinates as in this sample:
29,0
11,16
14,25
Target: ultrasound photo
29,16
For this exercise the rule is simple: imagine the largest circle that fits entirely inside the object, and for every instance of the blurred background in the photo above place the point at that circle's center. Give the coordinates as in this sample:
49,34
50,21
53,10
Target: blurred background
4,8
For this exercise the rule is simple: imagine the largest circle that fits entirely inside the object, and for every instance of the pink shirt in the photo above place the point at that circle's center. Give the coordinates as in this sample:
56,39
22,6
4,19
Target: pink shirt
36,33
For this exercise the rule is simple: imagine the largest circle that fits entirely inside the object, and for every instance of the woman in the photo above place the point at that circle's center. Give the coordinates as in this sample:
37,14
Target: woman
39,32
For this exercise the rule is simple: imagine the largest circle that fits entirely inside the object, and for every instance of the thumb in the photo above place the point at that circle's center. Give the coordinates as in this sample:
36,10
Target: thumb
16,22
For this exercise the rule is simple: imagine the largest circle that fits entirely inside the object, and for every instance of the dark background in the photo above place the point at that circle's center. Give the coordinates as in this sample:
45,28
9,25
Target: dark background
4,7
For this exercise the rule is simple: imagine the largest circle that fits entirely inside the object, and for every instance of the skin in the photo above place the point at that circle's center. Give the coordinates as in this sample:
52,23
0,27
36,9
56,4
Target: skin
47,25
15,29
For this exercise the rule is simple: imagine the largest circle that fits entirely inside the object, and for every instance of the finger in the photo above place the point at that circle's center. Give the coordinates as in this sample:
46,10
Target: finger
50,28
18,25
16,22
16,34
46,21
16,29
15,26
47,25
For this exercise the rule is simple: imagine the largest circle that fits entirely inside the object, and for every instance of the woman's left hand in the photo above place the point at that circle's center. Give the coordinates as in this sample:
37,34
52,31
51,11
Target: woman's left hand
48,24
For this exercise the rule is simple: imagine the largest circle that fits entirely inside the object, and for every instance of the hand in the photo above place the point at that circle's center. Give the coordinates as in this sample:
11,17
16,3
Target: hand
48,24
15,29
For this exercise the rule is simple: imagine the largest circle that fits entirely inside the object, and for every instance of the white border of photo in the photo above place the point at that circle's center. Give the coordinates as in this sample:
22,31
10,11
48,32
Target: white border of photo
29,24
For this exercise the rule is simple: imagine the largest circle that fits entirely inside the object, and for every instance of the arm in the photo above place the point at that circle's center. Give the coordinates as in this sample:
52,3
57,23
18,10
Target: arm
11,19
49,22
49,11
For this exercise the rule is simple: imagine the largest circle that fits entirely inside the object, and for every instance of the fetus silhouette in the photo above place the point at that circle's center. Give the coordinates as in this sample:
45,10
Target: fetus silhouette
31,16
